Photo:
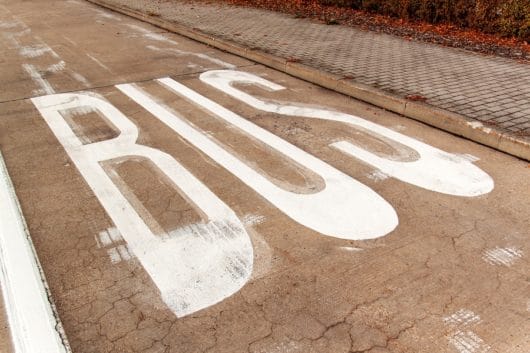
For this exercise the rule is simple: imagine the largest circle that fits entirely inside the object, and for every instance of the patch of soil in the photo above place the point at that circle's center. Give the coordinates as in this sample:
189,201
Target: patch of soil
443,34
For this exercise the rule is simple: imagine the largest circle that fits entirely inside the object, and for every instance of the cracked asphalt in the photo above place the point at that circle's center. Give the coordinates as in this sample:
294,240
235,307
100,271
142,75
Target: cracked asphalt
453,276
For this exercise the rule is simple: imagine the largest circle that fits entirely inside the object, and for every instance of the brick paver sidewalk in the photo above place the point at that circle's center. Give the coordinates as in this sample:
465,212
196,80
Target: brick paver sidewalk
494,91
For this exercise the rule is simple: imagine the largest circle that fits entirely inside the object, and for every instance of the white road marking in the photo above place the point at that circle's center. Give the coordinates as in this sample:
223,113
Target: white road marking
462,338
9,24
435,170
113,255
56,67
350,248
463,317
108,239
103,239
290,346
502,256
107,15
345,208
105,67
179,52
124,252
468,342
252,220
470,157
114,234
151,35
80,78
34,51
176,264
12,34
45,86
69,40
378,175
32,322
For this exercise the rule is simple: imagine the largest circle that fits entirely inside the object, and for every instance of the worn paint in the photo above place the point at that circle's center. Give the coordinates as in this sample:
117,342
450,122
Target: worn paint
175,264
108,239
33,72
251,220
98,62
206,57
378,175
468,342
151,35
463,317
158,37
36,50
345,208
80,78
502,256
350,248
434,170
461,336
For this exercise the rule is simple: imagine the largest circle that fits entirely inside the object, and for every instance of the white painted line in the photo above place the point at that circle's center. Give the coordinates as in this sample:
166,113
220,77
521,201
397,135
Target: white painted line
37,77
176,264
33,324
434,169
345,208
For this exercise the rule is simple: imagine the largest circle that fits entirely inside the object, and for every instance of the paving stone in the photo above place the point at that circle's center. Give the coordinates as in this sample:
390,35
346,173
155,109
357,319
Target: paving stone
391,63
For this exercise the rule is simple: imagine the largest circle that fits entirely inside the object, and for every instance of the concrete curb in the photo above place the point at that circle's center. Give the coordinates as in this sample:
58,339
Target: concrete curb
32,316
451,122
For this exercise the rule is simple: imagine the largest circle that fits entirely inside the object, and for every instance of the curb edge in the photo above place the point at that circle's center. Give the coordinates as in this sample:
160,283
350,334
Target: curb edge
32,316
444,120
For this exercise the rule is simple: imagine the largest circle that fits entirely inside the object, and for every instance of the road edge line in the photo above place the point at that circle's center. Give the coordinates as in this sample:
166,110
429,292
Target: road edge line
444,120
32,316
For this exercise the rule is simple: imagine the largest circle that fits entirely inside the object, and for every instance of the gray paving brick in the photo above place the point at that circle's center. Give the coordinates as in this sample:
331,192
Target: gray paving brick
478,86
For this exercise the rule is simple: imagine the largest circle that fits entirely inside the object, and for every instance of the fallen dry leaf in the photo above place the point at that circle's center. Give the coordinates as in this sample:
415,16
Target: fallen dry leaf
443,34
416,98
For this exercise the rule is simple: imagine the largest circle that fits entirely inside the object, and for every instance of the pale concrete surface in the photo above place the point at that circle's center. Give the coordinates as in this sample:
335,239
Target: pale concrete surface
490,90
451,276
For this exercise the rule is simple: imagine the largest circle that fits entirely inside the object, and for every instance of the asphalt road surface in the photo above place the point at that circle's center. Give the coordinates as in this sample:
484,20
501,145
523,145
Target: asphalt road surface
181,199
